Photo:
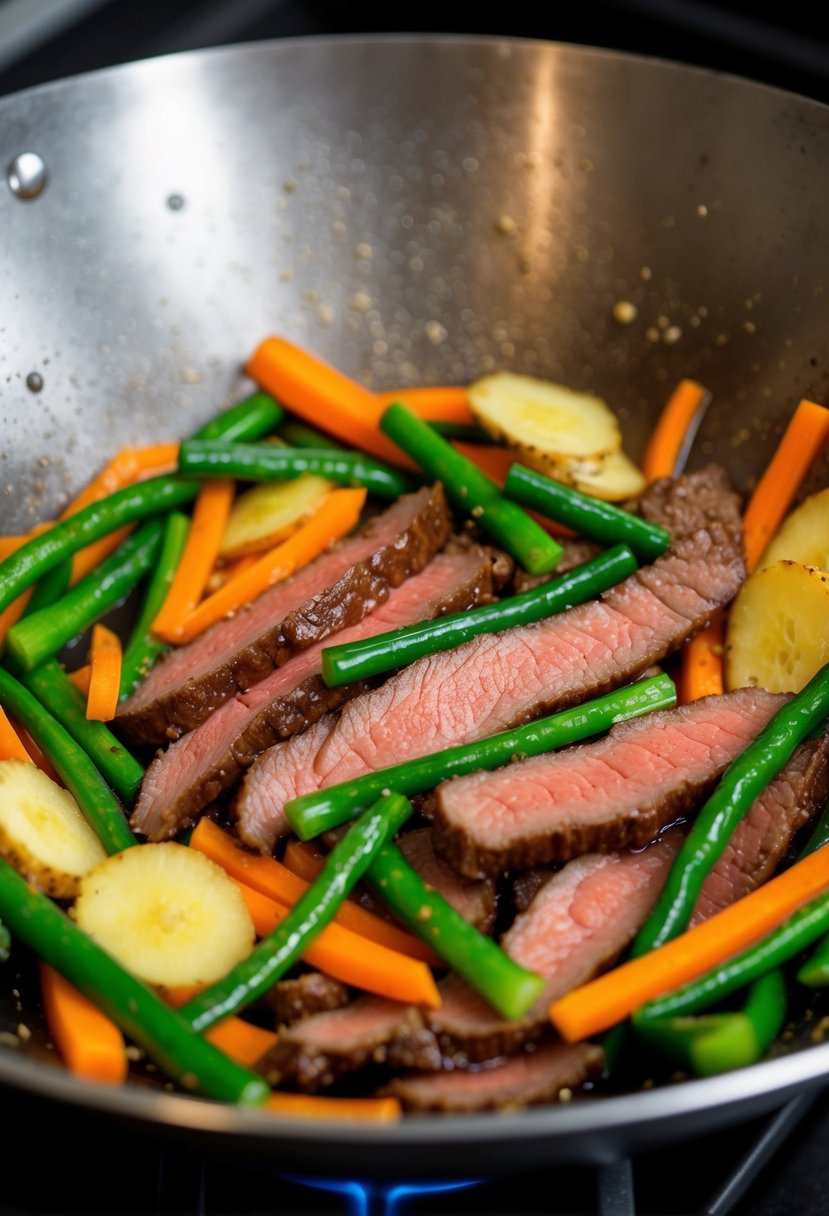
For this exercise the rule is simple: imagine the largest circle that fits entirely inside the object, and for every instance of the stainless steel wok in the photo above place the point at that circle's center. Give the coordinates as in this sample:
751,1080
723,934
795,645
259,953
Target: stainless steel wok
417,211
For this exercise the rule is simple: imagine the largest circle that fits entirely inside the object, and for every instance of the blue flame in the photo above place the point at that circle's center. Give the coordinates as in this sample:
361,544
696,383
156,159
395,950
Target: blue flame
372,1199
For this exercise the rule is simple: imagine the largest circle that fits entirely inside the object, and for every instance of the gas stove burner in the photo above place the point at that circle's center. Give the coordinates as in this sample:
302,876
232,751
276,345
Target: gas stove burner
377,1199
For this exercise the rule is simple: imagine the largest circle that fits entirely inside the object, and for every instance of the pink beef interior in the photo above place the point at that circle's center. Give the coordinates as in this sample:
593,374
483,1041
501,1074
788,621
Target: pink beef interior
174,771
632,768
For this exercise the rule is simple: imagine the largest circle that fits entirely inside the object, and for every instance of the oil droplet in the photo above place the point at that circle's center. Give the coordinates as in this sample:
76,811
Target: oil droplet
27,175
34,382
175,202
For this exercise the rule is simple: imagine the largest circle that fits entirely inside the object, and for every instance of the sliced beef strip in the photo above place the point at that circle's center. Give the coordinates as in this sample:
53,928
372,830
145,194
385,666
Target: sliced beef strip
586,914
336,590
498,681
318,1051
312,992
618,792
577,924
196,769
538,1074
763,836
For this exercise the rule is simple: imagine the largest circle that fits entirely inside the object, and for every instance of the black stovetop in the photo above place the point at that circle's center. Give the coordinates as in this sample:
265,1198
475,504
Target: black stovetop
70,1164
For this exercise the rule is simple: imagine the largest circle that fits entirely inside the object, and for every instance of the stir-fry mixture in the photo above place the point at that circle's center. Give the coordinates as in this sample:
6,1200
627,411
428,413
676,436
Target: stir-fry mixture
449,739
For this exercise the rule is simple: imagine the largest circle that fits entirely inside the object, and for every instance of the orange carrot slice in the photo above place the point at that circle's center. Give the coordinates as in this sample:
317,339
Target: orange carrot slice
127,466
363,1110
11,745
241,1040
104,674
278,882
353,959
90,1044
701,669
336,515
204,539
323,396
675,431
80,678
602,1003
803,439
434,404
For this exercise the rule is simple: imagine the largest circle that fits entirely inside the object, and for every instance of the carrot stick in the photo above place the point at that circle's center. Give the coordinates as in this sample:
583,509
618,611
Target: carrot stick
323,396
303,858
204,539
90,1044
80,679
241,1040
602,1003
104,675
803,439
675,431
337,515
440,404
11,745
354,960
11,615
127,466
307,1106
278,882
701,669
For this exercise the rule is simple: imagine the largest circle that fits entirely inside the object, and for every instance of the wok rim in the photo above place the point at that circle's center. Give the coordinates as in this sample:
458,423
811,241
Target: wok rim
729,1094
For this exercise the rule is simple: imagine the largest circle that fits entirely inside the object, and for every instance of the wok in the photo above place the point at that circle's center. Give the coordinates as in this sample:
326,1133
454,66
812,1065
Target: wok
417,211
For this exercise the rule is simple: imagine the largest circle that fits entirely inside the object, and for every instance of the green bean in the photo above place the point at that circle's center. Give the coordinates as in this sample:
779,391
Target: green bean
251,418
471,491
745,778
269,462
36,637
590,517
814,973
270,959
312,814
53,688
508,987
181,1053
143,647
300,435
719,1042
49,588
98,804
5,942
385,651
466,431
32,560
799,931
